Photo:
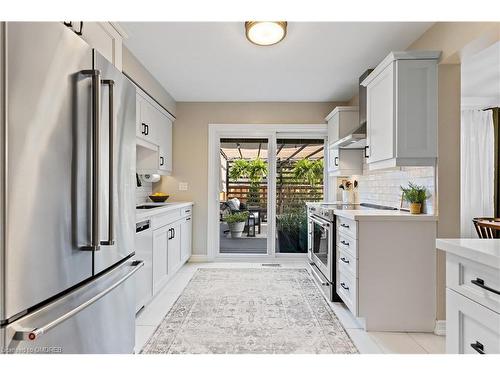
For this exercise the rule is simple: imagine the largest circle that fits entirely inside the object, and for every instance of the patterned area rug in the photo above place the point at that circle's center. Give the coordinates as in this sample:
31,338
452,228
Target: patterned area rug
250,311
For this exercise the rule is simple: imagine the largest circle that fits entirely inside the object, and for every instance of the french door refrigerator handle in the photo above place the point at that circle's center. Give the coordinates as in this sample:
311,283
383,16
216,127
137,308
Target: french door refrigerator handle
111,118
28,334
96,125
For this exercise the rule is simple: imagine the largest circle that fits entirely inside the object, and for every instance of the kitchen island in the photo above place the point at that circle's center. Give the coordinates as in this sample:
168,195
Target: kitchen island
472,295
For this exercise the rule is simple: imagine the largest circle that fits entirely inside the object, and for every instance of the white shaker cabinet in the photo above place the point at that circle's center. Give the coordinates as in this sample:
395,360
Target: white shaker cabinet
402,110
160,255
344,162
472,295
154,136
186,238
342,121
105,37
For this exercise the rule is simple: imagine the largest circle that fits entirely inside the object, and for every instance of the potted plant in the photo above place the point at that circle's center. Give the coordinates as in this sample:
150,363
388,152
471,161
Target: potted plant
236,222
415,195
290,226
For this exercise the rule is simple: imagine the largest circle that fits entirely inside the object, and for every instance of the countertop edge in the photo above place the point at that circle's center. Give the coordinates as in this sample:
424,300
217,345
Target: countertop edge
162,209
449,245
386,216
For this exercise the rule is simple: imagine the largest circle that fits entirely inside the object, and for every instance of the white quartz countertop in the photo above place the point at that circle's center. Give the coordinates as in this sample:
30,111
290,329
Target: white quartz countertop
373,214
382,215
485,251
161,209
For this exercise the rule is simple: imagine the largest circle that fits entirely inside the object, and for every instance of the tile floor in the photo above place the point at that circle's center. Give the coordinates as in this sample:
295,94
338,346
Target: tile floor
367,342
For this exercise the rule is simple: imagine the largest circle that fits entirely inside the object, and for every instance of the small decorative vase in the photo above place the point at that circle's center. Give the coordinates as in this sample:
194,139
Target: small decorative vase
415,208
348,196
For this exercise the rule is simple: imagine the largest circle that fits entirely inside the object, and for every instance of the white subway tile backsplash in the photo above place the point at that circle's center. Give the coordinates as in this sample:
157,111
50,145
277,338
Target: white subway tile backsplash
142,193
383,187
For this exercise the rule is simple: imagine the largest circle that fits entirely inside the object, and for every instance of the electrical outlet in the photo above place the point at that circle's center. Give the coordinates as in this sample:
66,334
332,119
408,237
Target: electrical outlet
183,186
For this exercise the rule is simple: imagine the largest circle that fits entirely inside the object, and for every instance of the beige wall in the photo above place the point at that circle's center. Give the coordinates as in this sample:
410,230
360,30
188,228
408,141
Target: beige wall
190,146
142,77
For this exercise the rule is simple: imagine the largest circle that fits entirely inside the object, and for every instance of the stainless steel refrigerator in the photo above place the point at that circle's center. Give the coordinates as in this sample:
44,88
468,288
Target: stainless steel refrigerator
67,195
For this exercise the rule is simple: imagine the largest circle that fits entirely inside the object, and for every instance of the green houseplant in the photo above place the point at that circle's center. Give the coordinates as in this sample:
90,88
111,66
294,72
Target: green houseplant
236,222
254,170
291,225
415,195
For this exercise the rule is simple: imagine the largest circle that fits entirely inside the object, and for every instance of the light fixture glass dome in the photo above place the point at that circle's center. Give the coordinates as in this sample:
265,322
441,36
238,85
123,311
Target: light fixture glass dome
265,33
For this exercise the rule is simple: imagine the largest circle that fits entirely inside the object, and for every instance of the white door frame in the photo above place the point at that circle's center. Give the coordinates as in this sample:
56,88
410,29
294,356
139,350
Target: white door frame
270,131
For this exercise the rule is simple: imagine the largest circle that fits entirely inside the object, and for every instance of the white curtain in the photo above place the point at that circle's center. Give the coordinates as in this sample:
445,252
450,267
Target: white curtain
477,168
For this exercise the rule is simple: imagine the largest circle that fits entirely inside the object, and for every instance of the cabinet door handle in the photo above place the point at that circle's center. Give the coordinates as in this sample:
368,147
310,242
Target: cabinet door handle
344,260
146,129
170,234
478,347
366,151
344,225
143,130
188,219
344,243
480,283
162,161
344,286
336,161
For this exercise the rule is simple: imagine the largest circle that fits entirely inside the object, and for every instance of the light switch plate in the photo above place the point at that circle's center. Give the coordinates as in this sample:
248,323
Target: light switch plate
183,186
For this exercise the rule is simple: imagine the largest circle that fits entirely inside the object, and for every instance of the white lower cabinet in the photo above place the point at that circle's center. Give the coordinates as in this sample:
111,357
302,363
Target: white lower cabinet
186,238
172,243
472,307
160,256
174,248
471,328
386,272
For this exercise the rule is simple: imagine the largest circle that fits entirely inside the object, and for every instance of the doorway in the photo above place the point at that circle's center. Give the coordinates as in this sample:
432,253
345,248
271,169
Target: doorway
246,167
243,196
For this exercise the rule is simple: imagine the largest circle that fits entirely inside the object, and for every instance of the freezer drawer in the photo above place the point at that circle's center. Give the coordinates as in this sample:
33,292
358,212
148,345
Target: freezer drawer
98,317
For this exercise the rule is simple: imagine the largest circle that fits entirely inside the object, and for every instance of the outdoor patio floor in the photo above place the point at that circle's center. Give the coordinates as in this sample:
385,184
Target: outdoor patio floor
243,245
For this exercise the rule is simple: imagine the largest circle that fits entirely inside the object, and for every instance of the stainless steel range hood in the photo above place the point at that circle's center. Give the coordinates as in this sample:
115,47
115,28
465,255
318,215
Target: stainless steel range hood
355,140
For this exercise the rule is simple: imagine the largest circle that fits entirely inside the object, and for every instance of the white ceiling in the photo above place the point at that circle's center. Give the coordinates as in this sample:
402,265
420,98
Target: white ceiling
213,61
481,77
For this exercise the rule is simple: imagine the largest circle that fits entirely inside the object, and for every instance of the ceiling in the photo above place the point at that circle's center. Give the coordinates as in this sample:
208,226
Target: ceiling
213,61
481,77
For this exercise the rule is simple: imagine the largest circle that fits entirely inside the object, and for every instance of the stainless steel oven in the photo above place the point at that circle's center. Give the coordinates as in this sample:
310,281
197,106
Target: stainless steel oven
321,249
321,245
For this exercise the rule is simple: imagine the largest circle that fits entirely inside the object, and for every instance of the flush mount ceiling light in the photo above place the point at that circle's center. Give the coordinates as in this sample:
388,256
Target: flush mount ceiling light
265,33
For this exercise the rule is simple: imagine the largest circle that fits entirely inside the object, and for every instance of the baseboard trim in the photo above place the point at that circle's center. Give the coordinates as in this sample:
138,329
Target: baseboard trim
440,328
200,259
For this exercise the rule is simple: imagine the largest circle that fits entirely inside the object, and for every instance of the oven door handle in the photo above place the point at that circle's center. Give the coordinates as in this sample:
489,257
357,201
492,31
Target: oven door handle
320,221
317,276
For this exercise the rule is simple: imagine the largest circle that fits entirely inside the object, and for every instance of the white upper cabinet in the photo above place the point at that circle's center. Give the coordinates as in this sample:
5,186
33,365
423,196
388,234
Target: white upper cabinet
402,110
105,37
342,121
154,137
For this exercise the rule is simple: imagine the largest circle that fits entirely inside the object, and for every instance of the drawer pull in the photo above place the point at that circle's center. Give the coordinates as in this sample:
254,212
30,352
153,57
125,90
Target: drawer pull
480,283
344,286
478,347
344,225
344,243
344,260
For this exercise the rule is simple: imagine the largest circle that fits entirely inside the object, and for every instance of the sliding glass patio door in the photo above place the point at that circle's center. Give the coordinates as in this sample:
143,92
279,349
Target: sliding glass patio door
261,179
244,182
300,172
